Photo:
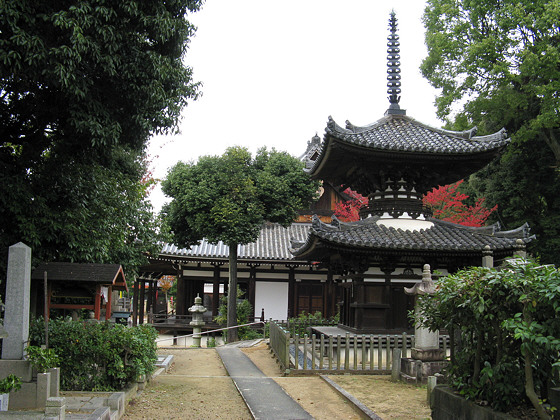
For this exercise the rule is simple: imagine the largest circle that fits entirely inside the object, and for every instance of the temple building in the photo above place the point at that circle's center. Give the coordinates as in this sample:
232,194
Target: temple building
394,162
358,269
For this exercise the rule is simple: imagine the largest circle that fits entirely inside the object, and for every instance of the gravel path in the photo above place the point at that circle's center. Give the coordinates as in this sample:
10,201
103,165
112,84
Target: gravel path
197,387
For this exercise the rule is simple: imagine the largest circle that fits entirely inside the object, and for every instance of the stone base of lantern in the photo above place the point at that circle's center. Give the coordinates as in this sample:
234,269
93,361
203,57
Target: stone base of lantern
417,371
427,355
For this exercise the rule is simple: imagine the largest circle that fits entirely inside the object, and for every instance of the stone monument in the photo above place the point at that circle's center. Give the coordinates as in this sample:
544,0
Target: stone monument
18,285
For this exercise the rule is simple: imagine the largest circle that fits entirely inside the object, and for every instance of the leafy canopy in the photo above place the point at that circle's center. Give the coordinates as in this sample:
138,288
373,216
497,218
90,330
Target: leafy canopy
227,198
499,59
83,84
496,64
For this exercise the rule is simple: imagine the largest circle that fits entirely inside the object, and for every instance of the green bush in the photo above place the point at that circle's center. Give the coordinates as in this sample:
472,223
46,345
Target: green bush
301,324
42,359
98,356
244,313
10,383
505,327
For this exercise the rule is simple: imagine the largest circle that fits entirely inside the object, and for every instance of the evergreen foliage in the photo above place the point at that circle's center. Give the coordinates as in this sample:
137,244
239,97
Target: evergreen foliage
83,84
244,313
98,356
505,323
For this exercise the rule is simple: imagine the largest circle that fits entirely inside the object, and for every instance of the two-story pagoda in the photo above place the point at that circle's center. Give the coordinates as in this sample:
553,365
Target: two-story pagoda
394,162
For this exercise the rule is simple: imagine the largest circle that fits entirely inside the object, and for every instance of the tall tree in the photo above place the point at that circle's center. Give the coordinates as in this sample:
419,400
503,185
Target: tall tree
499,58
83,84
496,64
227,198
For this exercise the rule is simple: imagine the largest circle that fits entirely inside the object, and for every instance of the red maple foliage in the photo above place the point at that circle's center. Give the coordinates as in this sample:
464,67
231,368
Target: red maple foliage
348,211
448,204
445,202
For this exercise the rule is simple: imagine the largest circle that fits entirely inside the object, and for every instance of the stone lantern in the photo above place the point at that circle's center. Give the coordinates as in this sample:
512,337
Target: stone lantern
427,358
197,310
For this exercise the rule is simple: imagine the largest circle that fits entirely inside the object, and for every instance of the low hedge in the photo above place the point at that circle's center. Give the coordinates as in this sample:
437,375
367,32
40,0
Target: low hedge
98,356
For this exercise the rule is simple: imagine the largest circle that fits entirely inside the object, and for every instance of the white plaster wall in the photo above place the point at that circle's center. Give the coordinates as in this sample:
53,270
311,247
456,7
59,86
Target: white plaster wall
273,297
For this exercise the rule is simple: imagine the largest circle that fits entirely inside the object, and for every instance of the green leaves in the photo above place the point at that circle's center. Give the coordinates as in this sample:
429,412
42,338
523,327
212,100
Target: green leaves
510,312
227,198
98,356
481,52
83,85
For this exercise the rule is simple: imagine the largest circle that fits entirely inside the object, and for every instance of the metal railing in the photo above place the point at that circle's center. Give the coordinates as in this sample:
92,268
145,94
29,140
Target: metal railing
211,331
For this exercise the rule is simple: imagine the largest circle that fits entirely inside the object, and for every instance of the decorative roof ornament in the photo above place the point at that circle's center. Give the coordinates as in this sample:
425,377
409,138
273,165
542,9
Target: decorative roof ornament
393,68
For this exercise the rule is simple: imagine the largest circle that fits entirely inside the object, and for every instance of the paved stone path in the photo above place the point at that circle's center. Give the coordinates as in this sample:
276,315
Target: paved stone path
264,397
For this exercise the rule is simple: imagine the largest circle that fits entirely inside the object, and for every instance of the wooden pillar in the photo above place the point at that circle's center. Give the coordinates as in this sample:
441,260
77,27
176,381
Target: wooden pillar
141,303
180,308
251,291
331,295
108,305
154,297
135,302
388,269
359,299
216,291
97,307
291,292
49,294
149,301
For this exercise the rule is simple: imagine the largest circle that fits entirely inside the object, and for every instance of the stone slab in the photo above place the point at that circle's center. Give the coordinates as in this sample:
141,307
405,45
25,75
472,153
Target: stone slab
18,287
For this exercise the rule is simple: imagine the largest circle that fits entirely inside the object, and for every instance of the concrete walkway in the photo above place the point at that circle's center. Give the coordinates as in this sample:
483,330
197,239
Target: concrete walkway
264,397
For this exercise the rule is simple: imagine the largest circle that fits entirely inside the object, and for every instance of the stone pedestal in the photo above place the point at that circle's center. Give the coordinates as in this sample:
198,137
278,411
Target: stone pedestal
417,371
427,355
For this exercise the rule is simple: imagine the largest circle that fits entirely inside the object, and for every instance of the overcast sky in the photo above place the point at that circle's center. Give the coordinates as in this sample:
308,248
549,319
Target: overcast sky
273,72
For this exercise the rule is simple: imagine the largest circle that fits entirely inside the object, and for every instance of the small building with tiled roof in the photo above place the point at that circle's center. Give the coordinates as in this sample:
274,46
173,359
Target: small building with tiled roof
272,279
73,287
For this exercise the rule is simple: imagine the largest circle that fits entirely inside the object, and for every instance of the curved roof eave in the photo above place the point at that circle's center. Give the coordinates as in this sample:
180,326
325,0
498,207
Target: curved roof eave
367,236
472,145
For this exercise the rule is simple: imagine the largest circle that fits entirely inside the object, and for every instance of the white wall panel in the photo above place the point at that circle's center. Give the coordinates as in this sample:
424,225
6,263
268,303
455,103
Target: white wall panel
273,297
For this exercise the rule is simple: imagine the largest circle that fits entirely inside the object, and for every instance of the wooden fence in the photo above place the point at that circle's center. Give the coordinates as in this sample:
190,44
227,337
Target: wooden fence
348,353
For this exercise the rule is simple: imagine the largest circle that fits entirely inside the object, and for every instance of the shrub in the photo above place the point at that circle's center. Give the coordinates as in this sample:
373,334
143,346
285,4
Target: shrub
10,383
300,325
98,356
42,359
505,328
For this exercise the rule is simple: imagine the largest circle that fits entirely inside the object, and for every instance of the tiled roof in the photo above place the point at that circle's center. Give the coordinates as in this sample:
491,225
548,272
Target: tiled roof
273,244
402,133
96,273
442,236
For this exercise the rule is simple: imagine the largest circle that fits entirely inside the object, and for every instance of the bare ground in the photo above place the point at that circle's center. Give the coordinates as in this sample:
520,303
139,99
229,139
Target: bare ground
197,387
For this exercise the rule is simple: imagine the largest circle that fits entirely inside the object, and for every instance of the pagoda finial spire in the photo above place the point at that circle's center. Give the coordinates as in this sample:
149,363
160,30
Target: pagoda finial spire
393,67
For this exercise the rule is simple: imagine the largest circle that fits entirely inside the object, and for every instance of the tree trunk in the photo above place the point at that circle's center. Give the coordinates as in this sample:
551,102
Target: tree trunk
529,382
232,334
553,143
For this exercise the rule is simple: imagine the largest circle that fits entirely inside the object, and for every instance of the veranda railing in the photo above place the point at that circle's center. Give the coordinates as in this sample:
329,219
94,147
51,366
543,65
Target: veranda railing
348,353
